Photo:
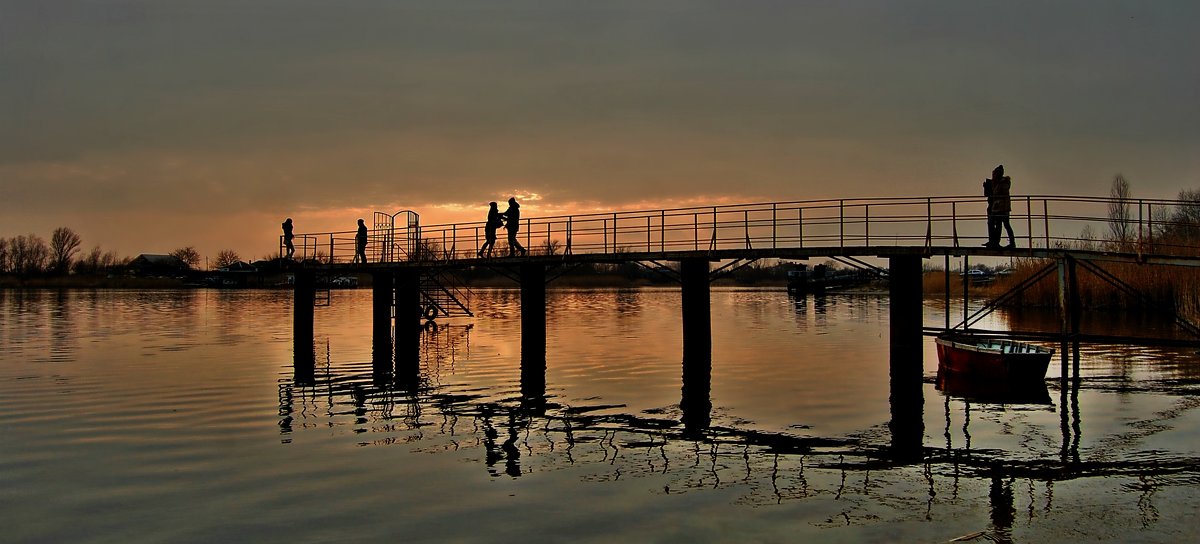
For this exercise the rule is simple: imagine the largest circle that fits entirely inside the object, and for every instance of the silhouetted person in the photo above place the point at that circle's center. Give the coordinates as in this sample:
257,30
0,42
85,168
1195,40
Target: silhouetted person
999,207
360,244
494,221
987,194
512,222
287,238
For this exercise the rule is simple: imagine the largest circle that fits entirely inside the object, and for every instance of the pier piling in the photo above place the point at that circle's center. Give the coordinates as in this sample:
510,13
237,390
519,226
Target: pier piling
304,299
907,355
697,317
533,310
408,314
381,315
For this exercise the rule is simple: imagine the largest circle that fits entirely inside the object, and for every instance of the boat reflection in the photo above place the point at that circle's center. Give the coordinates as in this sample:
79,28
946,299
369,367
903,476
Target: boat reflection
992,391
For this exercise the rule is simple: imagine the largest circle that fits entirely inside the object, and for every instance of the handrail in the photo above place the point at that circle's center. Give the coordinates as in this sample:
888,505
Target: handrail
1048,221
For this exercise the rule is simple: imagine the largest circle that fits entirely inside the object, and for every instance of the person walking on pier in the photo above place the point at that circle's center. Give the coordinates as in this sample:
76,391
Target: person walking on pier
997,190
287,238
360,243
494,221
512,222
987,194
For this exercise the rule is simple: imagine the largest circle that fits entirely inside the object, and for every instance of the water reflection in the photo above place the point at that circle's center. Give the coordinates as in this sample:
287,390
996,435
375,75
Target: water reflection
696,402
530,430
471,404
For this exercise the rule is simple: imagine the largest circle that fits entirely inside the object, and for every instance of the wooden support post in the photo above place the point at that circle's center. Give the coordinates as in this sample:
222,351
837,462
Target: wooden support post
408,320
381,320
1076,307
696,402
1068,296
907,356
966,281
697,322
304,302
1069,306
947,291
533,310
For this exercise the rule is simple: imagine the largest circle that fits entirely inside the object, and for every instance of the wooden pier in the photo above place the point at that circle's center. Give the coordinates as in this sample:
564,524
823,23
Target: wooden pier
411,267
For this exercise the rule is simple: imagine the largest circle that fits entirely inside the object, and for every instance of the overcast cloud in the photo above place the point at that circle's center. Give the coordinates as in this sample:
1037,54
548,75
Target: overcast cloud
209,121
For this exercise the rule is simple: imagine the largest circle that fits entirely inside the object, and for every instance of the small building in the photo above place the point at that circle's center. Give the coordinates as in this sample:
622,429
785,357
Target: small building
148,264
238,266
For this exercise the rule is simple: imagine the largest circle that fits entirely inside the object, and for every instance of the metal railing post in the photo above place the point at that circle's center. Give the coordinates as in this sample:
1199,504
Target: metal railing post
841,223
1046,221
1150,219
648,235
867,223
712,245
800,225
746,224
662,230
1141,234
695,231
614,232
1029,221
774,224
954,222
929,224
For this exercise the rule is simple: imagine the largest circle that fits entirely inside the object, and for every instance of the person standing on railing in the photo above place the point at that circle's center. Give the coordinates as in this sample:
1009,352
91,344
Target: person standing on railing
360,244
512,222
997,190
494,221
287,238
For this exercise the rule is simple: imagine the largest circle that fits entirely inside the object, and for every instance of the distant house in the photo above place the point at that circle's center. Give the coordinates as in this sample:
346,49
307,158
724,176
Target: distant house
157,265
238,266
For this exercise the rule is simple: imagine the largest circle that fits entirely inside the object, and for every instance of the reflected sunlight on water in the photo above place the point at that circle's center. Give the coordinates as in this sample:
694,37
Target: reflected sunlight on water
181,416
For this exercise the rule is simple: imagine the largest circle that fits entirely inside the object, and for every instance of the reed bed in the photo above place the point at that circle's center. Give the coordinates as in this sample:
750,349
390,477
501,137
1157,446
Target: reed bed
1161,287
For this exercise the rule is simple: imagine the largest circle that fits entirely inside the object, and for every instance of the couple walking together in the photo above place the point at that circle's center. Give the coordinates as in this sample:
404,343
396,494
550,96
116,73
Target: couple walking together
510,220
996,189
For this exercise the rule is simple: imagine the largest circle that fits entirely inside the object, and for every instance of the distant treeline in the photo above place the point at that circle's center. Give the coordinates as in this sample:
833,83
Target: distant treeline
30,255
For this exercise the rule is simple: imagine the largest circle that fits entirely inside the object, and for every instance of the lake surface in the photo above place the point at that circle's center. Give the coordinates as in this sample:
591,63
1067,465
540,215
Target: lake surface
181,416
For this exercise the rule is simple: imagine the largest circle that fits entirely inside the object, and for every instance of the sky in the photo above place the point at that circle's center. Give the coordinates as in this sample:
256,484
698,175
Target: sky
149,125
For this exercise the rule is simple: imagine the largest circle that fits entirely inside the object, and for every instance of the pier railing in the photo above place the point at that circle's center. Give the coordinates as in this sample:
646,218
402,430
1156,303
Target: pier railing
1152,226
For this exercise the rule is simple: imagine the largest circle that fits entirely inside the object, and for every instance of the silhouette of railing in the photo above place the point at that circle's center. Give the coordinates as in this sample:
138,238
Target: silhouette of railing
1047,222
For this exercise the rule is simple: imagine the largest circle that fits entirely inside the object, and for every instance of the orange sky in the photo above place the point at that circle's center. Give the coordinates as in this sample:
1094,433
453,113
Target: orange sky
147,126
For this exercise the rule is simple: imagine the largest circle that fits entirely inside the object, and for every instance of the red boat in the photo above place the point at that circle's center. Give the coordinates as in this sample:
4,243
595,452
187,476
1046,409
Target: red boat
992,359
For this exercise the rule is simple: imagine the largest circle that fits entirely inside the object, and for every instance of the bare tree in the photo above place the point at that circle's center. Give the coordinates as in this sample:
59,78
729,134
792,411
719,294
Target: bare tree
226,257
550,247
188,255
64,244
3,255
89,263
28,254
1185,218
1120,218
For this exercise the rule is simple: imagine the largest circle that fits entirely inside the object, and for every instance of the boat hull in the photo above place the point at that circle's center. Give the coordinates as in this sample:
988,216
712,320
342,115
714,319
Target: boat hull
992,360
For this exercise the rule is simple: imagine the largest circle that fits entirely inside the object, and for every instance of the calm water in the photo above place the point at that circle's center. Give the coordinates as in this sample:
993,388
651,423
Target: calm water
179,416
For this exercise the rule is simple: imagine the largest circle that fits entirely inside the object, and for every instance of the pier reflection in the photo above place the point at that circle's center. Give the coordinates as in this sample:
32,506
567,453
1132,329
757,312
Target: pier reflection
527,429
